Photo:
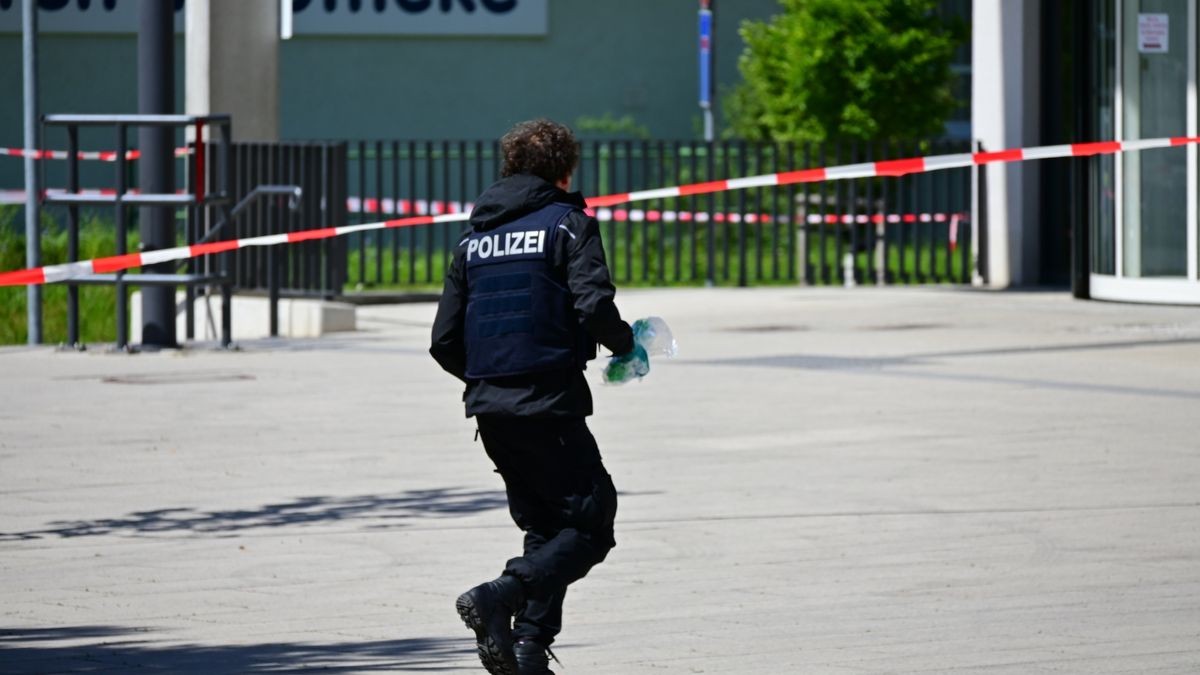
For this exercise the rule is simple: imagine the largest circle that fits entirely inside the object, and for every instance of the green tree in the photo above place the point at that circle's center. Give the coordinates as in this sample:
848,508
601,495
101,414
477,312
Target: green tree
866,69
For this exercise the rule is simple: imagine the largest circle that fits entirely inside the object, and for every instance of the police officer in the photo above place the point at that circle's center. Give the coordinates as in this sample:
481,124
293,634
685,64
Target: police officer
527,297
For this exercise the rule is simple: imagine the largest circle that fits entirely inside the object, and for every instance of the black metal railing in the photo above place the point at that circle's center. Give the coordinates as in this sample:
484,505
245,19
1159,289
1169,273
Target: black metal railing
200,200
310,268
907,230
248,190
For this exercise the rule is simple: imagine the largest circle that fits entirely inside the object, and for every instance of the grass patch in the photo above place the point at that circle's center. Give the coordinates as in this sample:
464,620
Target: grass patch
97,304
654,256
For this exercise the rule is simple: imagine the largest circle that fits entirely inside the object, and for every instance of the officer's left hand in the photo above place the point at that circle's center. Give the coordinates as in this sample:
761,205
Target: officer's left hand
628,366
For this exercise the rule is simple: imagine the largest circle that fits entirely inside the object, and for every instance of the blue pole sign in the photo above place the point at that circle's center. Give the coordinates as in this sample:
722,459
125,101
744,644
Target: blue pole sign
706,24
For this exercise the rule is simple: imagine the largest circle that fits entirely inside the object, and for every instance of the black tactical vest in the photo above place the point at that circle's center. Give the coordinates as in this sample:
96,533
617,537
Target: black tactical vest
520,317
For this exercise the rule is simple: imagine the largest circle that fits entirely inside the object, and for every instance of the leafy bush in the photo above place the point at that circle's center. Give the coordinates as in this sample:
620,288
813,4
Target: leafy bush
97,305
867,69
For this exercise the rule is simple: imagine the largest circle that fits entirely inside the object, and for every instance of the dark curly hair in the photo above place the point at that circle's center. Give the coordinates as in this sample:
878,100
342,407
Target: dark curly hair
540,147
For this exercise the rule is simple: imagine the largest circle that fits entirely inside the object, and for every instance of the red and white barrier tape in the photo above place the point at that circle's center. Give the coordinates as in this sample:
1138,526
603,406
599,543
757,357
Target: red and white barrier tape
604,215
895,167
99,155
405,207
881,218
117,263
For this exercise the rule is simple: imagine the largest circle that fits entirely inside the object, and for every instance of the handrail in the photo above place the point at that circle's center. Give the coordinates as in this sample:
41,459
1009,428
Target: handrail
293,192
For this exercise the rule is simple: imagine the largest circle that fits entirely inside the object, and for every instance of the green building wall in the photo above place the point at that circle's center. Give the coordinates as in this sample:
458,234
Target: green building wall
612,57
617,57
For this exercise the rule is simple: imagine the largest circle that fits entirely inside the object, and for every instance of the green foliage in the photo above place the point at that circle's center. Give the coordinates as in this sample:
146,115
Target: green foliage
660,254
97,305
866,69
395,273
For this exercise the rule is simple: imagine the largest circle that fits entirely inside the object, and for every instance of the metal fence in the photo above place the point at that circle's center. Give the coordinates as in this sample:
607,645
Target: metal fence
311,268
913,229
200,200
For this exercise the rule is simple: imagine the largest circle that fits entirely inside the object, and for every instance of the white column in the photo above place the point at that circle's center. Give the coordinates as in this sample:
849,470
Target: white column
1005,107
232,55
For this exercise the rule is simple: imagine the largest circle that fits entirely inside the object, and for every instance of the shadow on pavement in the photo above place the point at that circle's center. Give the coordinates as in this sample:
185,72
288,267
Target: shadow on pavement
888,366
88,649
821,362
375,510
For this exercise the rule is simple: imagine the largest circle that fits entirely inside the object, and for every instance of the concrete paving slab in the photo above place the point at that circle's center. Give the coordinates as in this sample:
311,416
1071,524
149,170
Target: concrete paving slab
869,481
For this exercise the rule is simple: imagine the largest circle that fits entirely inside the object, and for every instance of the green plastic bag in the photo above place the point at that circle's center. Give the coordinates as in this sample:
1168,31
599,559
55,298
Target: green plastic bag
650,336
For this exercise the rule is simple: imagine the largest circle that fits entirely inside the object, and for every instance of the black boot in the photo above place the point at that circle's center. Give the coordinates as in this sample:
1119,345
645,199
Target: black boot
531,658
488,609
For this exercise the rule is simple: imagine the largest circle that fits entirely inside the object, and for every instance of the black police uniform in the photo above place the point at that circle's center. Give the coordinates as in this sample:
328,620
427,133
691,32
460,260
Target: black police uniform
527,297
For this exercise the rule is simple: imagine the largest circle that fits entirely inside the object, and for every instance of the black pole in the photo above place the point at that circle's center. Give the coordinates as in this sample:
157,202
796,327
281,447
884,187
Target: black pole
981,226
1081,168
73,235
273,288
156,175
122,236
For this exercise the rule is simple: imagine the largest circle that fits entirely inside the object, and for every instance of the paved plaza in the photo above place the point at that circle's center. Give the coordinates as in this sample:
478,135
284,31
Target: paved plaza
824,481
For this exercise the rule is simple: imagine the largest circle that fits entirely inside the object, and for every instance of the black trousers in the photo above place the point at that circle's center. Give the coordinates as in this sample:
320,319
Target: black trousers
561,496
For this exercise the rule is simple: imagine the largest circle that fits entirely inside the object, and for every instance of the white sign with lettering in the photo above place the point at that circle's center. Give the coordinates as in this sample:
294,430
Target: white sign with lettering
311,17
420,17
1153,33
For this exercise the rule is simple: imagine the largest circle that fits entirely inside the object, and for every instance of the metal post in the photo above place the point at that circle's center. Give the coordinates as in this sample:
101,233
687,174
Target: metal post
156,95
979,223
329,164
226,308
881,250
412,196
429,170
805,265
192,228
851,210
629,186
362,212
881,209
396,203
1081,169
710,273
273,288
708,57
33,233
73,234
743,169
119,216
